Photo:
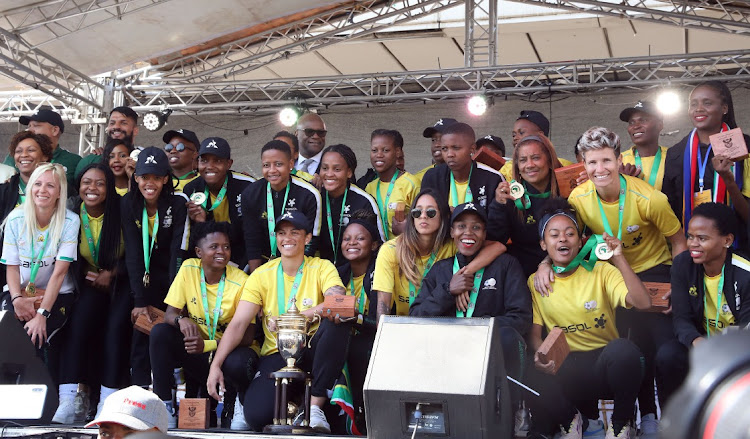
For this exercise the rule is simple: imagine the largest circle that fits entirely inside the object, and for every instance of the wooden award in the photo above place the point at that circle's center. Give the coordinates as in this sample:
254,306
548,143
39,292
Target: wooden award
489,158
554,348
567,176
194,414
142,324
656,290
730,144
344,306
400,212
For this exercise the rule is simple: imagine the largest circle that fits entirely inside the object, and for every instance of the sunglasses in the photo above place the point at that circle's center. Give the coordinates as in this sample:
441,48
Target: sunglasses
179,147
309,132
431,213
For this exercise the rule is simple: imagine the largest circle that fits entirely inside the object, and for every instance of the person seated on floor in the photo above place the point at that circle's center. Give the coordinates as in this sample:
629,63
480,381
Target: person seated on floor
271,288
130,410
710,289
600,364
200,304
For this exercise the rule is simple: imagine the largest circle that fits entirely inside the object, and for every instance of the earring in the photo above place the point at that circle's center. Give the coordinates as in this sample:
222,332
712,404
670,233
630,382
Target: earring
729,245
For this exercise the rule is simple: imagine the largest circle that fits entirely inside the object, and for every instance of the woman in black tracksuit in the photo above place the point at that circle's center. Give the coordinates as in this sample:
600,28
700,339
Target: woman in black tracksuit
151,206
710,289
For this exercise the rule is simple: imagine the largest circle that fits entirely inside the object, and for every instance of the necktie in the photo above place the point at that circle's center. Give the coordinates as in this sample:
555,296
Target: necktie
306,164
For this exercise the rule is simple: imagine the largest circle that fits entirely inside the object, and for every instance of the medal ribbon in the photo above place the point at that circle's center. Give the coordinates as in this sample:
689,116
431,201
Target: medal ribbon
21,191
383,206
654,166
362,294
621,210
281,289
271,215
468,197
474,290
211,324
219,198
37,261
588,249
148,249
718,301
413,289
524,202
94,249
186,176
330,223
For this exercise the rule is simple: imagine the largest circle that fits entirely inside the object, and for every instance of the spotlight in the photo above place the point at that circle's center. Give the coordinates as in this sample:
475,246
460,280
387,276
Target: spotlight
477,105
668,102
154,120
288,116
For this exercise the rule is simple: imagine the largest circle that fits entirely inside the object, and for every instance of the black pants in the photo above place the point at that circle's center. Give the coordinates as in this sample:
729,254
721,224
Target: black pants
611,372
167,348
673,365
140,362
98,337
324,358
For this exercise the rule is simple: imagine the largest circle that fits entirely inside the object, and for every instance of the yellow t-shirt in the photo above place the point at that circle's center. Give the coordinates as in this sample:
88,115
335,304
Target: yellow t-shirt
583,306
358,293
628,157
420,175
185,291
646,221
726,318
179,185
460,193
221,213
151,224
388,276
405,189
121,191
95,225
318,275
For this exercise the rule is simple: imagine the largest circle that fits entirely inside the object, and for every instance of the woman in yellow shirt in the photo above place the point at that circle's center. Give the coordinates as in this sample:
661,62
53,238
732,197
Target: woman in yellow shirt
600,364
116,155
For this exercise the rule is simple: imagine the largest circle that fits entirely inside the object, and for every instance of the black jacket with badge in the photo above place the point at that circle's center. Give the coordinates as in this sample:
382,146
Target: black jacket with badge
169,249
503,293
688,292
236,184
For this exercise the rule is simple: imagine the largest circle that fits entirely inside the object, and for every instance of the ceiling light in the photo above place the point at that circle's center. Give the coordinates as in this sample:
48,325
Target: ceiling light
288,116
477,105
668,102
154,120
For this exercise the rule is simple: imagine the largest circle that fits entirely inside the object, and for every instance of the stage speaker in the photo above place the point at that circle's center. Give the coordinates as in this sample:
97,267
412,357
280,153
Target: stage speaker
449,371
23,377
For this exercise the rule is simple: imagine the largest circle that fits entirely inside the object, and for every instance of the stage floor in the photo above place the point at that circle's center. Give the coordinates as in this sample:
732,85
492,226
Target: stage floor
61,432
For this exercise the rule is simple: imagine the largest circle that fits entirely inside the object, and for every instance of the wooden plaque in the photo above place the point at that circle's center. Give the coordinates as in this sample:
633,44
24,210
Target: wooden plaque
656,290
400,212
194,414
142,324
555,347
344,306
567,177
489,158
730,144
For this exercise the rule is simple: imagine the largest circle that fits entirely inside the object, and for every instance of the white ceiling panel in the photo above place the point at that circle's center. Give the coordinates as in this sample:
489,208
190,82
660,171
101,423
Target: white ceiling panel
427,53
360,57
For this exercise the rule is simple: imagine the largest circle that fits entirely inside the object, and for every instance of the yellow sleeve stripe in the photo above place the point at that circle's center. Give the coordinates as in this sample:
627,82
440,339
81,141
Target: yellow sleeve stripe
739,261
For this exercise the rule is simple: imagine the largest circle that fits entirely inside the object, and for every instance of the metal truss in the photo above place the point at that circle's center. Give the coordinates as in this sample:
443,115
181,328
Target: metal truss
636,73
732,16
350,20
54,19
480,39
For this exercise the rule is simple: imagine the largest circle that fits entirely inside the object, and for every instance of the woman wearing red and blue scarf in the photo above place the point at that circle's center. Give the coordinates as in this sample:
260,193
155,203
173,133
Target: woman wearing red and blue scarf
693,174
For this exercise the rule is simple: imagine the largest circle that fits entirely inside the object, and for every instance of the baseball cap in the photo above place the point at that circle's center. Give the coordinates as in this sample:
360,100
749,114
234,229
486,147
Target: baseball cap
133,407
468,207
438,126
216,146
298,220
152,160
44,115
493,140
644,106
185,134
537,119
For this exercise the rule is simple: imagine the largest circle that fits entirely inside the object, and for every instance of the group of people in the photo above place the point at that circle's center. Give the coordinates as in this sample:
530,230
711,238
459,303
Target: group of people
90,244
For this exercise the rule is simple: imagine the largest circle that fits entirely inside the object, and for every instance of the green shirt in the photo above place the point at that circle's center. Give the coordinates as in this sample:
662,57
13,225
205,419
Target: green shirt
61,156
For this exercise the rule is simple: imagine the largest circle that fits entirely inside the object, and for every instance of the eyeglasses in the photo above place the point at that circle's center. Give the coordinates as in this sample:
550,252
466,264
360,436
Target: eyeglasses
431,213
309,132
179,147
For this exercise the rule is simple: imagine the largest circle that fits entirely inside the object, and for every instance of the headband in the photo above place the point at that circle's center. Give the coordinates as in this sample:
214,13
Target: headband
546,218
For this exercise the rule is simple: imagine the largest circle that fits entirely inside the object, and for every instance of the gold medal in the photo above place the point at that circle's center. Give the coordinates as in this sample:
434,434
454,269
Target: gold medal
516,190
31,289
134,154
146,280
603,252
198,198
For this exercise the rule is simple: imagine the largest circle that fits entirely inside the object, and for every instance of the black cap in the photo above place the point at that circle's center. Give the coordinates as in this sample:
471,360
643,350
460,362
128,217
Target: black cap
216,146
152,160
468,207
537,119
44,115
438,127
297,219
644,106
185,134
493,140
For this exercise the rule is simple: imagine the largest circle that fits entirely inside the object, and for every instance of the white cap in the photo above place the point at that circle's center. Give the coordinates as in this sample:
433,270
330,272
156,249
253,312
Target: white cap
134,407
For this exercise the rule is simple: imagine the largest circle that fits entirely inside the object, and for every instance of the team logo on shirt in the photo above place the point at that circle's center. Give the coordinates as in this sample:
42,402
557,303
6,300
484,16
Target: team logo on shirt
632,228
346,208
530,219
168,218
481,190
238,206
307,302
590,306
693,291
194,301
601,322
725,309
490,283
291,202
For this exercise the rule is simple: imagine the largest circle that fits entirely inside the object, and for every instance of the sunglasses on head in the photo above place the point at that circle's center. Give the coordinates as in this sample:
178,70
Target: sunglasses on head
431,212
179,147
309,132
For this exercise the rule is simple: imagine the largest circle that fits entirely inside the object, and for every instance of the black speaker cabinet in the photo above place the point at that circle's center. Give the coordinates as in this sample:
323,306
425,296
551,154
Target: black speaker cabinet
452,370
20,365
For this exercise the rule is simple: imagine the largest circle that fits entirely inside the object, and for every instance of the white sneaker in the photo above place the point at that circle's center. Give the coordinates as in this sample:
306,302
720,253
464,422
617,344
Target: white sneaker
172,424
626,433
521,422
81,403
318,420
238,418
595,430
65,413
649,427
574,431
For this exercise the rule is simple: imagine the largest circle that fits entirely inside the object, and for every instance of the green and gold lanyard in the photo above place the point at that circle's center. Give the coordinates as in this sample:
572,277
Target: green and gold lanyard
211,324
468,197
186,176
383,206
93,247
271,215
330,223
412,288
281,289
21,192
719,293
654,166
219,198
362,294
474,290
148,249
36,262
621,210
524,202
588,250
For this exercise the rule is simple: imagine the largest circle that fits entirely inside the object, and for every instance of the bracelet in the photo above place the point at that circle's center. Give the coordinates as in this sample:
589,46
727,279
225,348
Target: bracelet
544,262
177,320
13,299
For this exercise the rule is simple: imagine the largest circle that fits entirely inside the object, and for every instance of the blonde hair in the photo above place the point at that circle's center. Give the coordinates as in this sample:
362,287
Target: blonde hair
599,138
57,221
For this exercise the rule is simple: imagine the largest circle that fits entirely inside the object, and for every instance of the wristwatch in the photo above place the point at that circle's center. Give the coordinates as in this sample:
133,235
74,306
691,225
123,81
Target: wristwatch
43,312
177,320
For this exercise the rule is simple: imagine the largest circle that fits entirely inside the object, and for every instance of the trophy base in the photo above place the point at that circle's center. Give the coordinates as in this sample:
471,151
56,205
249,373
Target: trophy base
288,429
291,373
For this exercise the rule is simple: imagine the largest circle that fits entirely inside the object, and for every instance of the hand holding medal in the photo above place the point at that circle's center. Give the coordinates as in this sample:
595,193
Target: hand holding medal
609,248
